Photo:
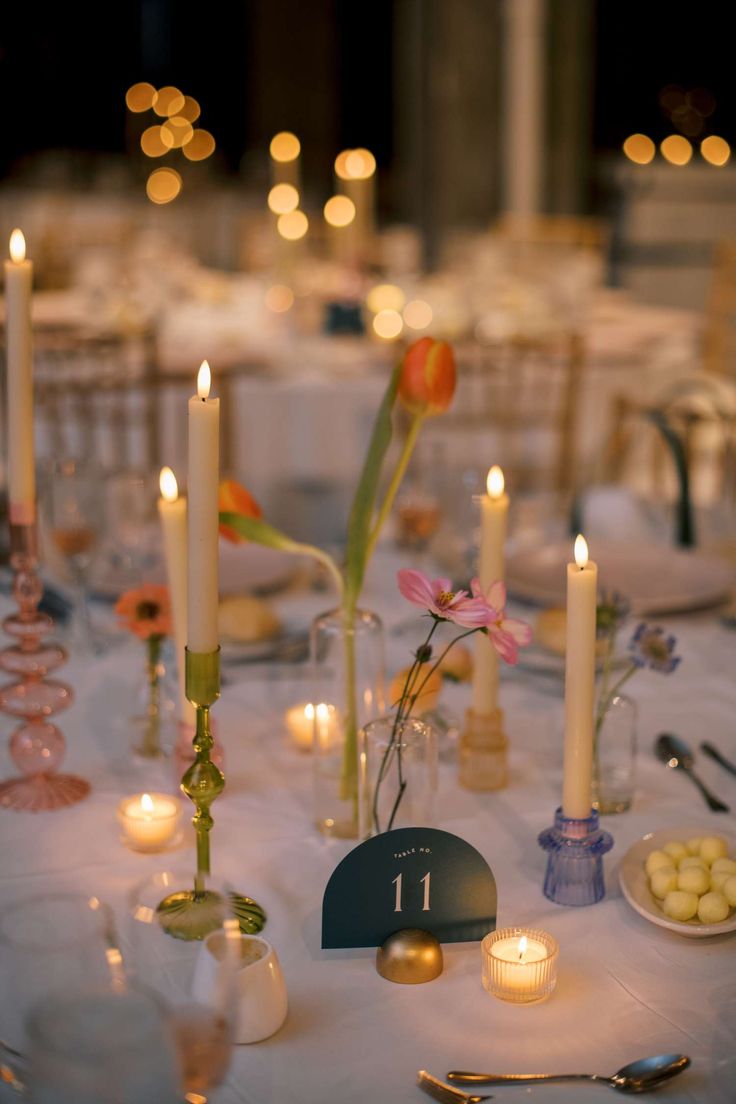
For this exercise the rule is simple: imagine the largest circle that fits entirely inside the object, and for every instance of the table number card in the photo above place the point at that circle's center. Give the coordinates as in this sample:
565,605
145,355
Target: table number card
409,878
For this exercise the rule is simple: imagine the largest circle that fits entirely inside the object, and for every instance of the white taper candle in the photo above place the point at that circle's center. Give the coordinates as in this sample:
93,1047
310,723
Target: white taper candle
494,509
203,529
582,580
21,469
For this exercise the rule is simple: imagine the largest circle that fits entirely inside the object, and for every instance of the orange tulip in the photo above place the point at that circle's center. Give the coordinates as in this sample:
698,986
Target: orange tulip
234,499
427,382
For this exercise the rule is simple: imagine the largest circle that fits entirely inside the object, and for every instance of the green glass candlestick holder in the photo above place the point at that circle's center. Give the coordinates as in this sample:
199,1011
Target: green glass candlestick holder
192,913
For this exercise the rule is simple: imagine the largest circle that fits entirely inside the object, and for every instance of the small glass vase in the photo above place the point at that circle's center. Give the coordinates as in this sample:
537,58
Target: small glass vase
614,758
349,678
397,776
154,721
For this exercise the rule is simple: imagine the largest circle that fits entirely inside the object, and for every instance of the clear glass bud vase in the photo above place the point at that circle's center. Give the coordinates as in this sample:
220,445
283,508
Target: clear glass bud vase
348,679
397,775
614,757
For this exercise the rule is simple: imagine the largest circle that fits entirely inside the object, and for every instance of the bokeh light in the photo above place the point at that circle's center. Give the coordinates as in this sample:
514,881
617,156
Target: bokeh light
163,185
169,101
418,314
639,149
283,198
388,324
279,298
676,149
178,130
140,97
155,141
285,146
385,297
339,210
715,150
190,109
199,146
293,225
360,164
355,164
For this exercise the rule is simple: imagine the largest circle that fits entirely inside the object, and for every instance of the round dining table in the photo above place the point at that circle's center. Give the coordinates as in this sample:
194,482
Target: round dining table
626,987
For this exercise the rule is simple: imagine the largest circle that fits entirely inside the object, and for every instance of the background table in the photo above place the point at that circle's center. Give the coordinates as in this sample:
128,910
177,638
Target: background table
626,988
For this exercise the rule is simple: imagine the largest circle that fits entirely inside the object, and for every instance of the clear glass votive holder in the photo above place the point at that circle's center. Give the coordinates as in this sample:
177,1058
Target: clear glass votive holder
519,964
149,821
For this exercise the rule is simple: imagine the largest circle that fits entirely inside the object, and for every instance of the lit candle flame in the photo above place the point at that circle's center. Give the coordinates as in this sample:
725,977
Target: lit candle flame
523,943
581,551
168,485
17,246
495,482
147,803
204,380
323,712
309,712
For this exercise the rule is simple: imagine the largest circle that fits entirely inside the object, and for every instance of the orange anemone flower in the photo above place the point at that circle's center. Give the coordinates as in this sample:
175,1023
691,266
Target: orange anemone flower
145,611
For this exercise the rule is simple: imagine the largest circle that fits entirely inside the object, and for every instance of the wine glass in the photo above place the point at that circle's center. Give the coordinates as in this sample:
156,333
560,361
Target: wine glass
75,518
76,1031
196,978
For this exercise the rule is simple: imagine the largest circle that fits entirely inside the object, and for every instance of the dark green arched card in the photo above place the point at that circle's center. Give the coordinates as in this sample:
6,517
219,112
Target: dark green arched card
409,878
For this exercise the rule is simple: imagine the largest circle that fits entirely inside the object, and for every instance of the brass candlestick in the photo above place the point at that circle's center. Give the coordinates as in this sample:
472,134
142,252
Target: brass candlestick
193,913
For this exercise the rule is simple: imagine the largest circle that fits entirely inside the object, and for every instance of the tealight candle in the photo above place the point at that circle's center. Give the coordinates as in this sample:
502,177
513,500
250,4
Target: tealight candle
519,965
149,821
300,723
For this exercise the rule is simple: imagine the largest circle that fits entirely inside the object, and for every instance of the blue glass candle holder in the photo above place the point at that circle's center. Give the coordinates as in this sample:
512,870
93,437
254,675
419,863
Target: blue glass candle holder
575,865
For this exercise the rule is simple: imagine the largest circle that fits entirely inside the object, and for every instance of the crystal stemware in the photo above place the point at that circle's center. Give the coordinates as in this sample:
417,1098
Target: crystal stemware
74,507
195,978
79,1032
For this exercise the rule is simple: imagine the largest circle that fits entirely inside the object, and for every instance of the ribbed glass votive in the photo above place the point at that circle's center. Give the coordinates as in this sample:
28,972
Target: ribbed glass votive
519,964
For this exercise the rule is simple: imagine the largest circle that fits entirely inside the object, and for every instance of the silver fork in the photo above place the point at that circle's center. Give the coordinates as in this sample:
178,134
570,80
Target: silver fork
446,1094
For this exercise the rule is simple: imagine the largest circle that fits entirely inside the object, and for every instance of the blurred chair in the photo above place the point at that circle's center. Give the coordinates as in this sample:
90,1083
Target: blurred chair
572,231
517,406
719,338
680,452
97,397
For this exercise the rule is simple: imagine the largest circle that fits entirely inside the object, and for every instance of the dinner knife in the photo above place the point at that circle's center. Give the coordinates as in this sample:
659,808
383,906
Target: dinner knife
721,759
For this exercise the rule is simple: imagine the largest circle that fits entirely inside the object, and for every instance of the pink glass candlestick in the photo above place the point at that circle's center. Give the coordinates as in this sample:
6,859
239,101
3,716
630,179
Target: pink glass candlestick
37,745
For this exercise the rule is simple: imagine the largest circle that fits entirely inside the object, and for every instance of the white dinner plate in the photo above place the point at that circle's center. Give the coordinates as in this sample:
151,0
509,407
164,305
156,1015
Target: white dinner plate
538,660
245,568
635,883
652,578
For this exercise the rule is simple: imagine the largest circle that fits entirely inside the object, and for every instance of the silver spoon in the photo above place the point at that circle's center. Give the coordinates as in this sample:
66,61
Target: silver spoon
677,755
637,1077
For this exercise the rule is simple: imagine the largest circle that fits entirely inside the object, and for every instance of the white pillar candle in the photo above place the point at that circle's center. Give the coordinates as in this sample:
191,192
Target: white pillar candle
494,510
285,149
172,512
21,470
149,822
203,527
355,173
582,579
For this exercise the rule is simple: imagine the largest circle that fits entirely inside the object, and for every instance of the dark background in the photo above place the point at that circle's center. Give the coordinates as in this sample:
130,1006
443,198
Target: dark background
320,67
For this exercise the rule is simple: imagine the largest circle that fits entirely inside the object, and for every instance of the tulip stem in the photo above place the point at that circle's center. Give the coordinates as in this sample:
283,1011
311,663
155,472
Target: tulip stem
399,472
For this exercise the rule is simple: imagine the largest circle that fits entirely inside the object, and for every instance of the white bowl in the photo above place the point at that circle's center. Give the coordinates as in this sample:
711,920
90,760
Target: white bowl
635,883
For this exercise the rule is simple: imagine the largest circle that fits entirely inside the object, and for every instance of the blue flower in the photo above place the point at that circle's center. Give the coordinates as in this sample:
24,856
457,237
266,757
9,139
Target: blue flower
611,611
652,647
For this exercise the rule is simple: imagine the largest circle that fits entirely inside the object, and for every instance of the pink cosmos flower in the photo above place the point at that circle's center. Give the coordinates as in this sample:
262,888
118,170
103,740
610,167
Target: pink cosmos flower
505,633
437,596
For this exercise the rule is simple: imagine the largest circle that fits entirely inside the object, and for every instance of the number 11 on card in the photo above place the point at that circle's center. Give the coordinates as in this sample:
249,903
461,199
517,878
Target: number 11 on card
425,881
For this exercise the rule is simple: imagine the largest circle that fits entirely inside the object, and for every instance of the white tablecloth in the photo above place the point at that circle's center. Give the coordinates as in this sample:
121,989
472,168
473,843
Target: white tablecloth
626,988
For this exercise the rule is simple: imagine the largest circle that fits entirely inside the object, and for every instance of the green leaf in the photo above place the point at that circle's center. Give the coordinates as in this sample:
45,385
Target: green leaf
364,503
